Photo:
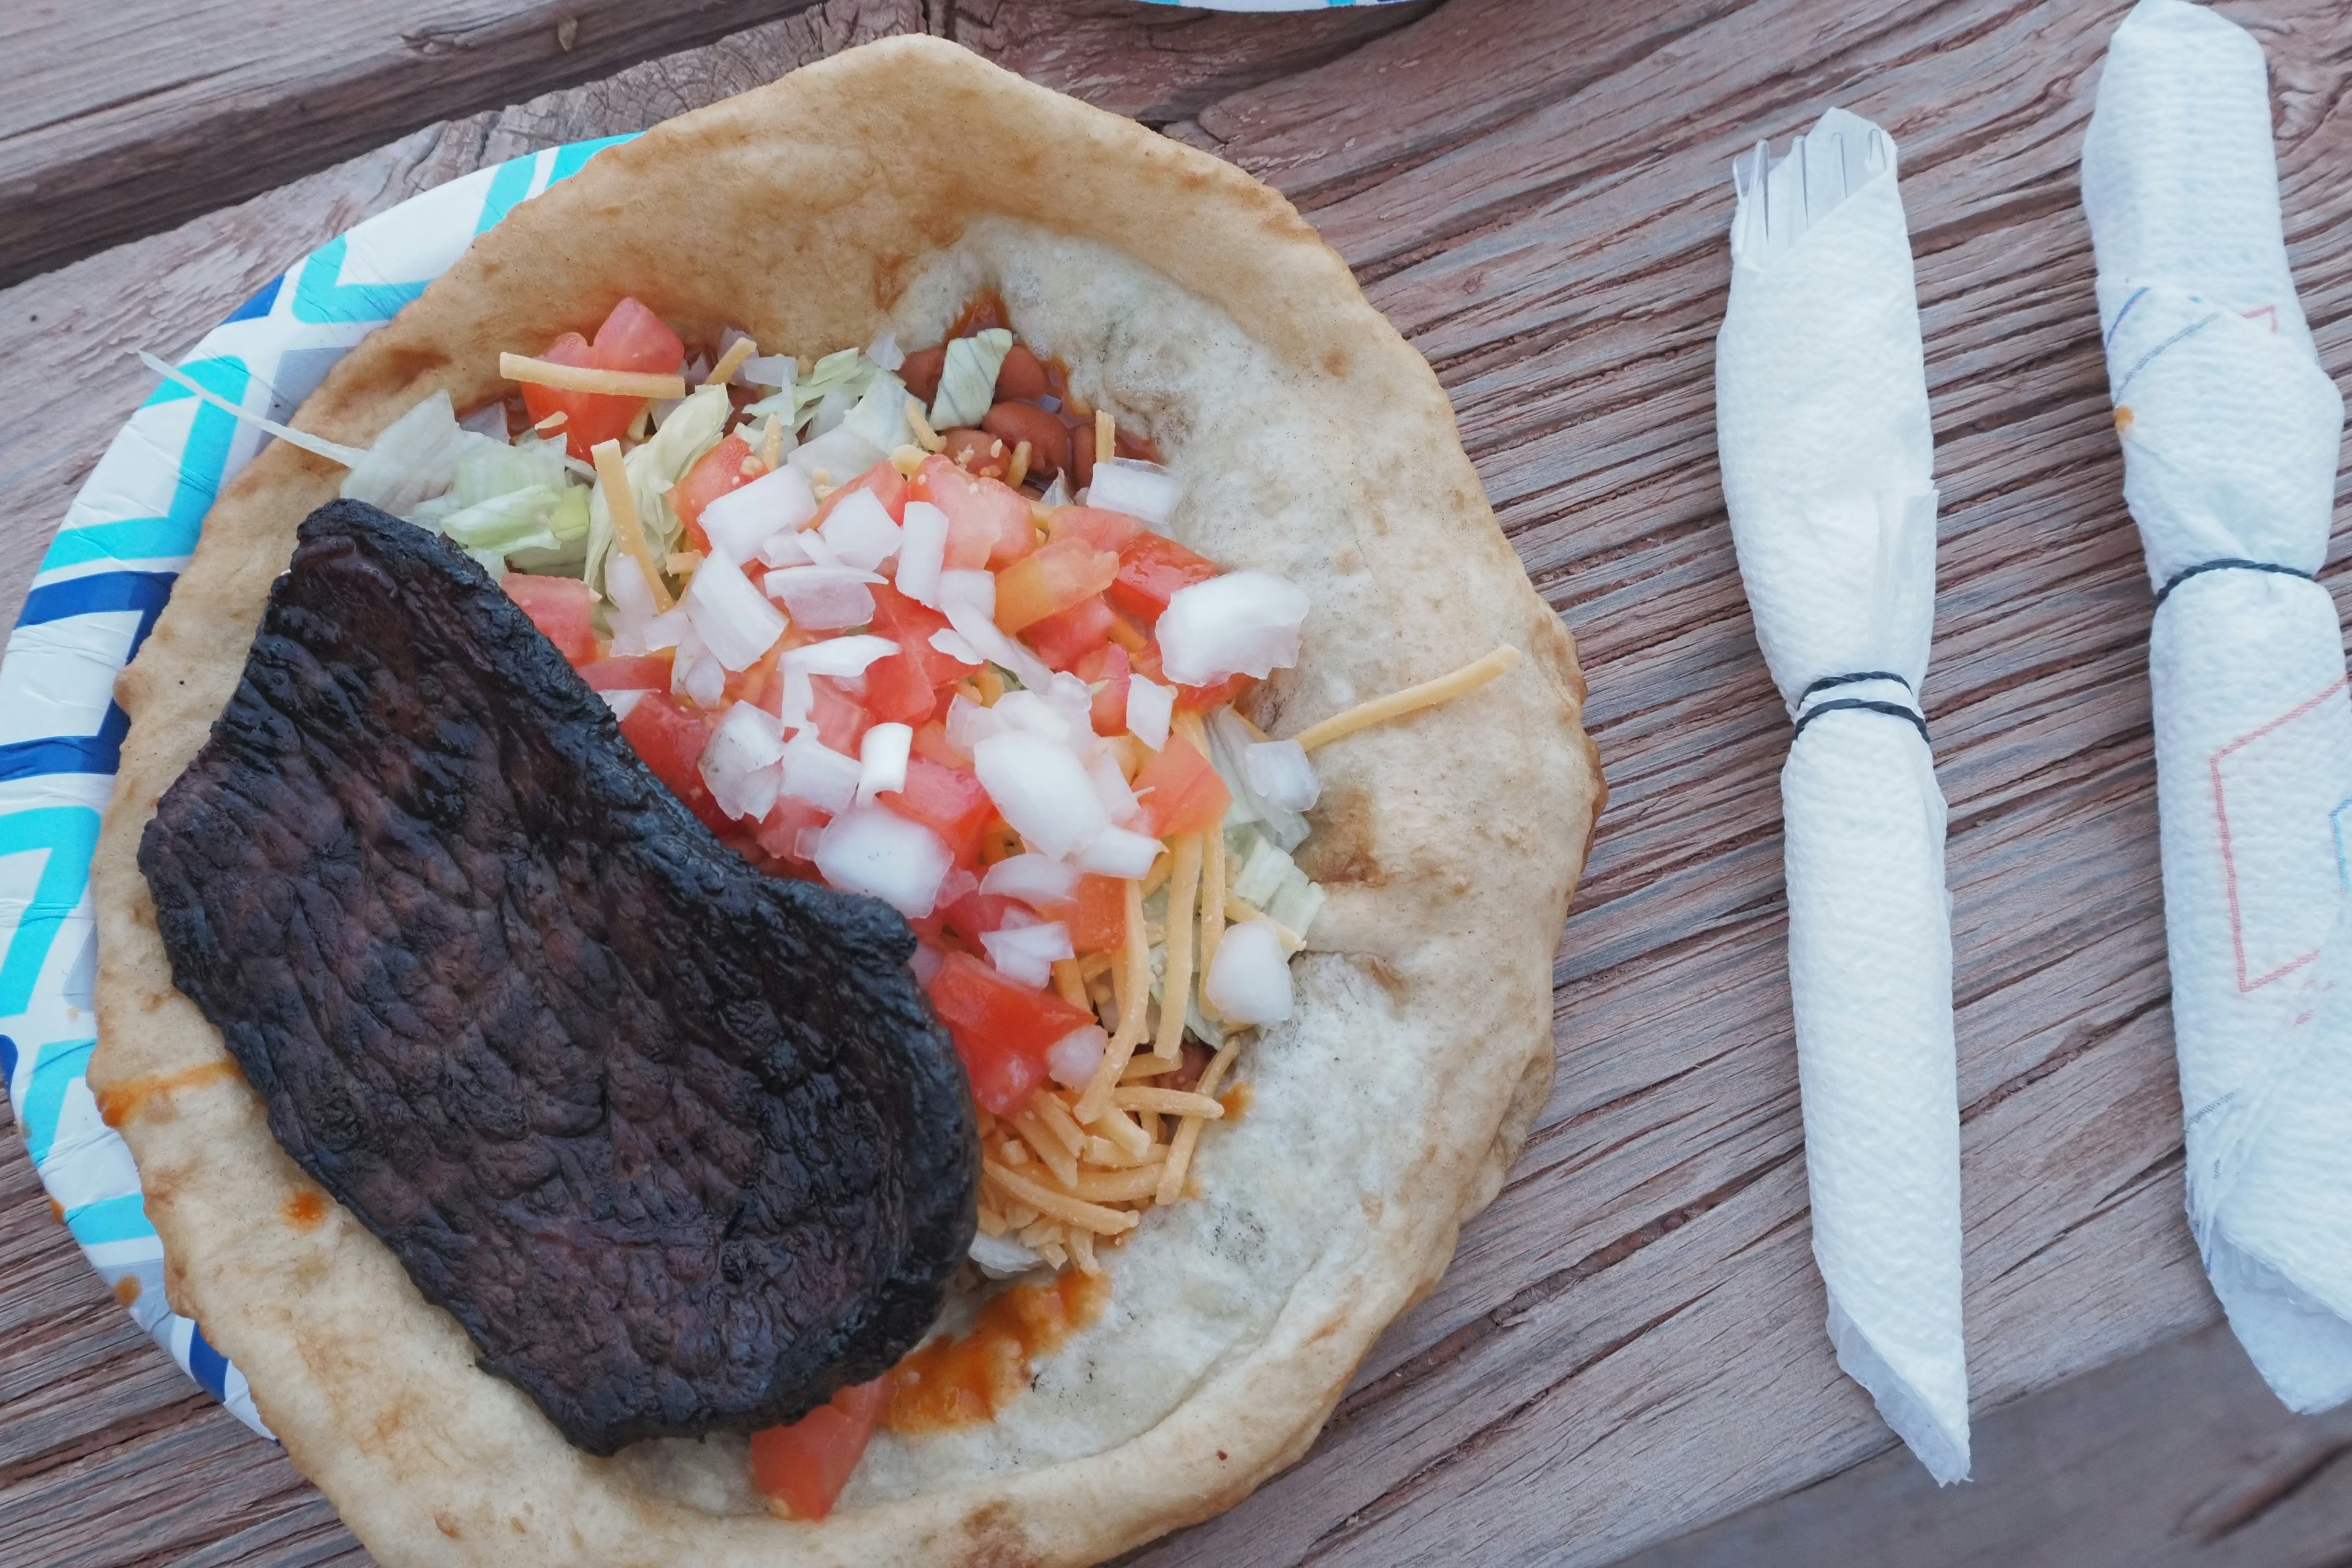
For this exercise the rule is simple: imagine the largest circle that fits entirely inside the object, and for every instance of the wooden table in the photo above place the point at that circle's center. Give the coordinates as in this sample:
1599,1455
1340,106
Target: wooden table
1630,1344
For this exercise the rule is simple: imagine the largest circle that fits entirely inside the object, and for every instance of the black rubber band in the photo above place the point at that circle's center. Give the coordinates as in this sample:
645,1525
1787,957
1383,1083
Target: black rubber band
1827,681
2202,567
1895,710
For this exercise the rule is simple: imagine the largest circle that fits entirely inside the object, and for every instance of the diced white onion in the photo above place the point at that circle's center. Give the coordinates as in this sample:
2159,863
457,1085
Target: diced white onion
860,532
927,960
1242,623
702,678
969,723
1280,770
1112,788
768,370
620,702
824,598
882,760
632,596
951,642
1072,1060
839,456
1001,1256
1228,740
1249,980
1073,699
885,351
1045,884
1040,790
1031,715
969,586
739,763
815,773
1027,953
922,551
1140,489
1119,852
786,549
776,502
733,618
1150,707
1057,494
986,636
841,656
668,629
489,419
876,851
799,696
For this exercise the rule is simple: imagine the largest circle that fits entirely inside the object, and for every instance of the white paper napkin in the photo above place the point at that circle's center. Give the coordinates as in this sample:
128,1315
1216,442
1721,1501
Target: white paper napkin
1821,422
2230,433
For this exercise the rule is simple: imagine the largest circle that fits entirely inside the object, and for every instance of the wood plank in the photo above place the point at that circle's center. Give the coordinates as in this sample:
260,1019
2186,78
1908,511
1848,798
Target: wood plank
131,118
2177,1458
1630,1343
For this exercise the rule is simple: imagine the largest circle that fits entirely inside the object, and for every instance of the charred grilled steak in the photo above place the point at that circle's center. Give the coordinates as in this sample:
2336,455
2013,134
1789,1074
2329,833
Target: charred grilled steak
680,1144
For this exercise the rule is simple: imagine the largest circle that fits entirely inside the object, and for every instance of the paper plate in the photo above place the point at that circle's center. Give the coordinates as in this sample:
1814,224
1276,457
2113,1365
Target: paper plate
94,599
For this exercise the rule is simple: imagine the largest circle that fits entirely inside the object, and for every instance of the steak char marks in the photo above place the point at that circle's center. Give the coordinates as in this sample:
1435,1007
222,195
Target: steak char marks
678,1143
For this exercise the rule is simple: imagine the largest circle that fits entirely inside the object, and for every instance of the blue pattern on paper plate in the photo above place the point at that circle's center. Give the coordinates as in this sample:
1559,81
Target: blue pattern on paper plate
93,602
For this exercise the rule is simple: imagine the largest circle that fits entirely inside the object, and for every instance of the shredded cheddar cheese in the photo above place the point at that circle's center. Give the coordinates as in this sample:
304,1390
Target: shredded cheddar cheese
588,378
730,362
1411,700
1020,469
1106,435
1213,906
771,444
1166,1102
1188,1133
553,422
1176,986
1134,997
612,480
928,439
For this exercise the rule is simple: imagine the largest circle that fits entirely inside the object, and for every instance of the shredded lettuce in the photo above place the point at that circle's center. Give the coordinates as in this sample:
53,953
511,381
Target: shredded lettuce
840,375
968,379
880,416
415,458
1228,742
693,427
1263,875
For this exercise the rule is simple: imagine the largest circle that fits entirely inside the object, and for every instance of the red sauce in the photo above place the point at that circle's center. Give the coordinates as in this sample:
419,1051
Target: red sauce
305,1209
126,1289
124,1100
1236,1100
965,1380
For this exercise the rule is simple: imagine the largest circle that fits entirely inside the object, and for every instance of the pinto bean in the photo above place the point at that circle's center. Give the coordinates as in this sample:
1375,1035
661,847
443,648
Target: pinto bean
1021,378
921,372
978,452
1049,442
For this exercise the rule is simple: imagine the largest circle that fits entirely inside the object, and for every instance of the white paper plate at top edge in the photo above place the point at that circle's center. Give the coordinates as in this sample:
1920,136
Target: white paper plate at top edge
98,592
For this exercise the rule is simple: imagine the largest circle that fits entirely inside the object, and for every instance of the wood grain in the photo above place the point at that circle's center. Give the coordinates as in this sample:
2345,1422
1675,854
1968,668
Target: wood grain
1630,1344
2177,1458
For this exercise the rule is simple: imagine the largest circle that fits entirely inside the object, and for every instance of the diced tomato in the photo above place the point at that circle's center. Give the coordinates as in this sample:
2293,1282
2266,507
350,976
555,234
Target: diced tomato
779,830
1051,581
1152,568
889,488
560,608
1101,922
899,693
1191,698
588,417
1001,1027
1106,670
947,800
807,1463
931,742
633,337
718,471
988,520
1209,699
646,672
1179,791
670,740
912,625
1102,529
974,913
841,720
1066,638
